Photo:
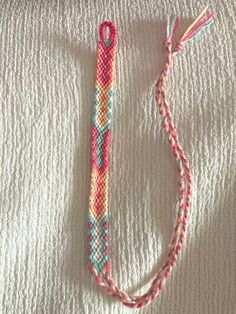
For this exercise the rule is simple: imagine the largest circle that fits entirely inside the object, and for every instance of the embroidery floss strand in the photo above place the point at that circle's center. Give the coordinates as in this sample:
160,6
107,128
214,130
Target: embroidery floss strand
98,220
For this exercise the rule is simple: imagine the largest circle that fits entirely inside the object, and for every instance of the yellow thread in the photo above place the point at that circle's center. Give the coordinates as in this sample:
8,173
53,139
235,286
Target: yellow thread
194,23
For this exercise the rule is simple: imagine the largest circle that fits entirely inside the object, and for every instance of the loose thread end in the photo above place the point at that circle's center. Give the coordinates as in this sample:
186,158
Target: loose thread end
194,30
172,26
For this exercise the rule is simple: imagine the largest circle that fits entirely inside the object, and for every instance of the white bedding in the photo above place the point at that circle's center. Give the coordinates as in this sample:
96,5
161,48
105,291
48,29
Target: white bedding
47,73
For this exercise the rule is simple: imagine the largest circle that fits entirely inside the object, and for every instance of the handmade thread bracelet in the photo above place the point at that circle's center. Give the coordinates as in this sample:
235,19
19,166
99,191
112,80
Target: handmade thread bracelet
98,220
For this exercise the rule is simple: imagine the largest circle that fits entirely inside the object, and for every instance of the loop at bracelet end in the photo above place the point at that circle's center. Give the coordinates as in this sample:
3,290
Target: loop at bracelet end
107,33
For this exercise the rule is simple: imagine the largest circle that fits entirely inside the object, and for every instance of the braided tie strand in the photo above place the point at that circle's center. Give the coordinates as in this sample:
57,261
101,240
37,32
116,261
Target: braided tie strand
98,220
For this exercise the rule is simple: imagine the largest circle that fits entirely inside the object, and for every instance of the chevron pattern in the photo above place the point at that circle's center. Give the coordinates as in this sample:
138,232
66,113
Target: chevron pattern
101,132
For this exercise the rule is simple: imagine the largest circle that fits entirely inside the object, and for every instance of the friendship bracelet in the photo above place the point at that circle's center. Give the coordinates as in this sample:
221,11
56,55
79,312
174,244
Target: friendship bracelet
98,219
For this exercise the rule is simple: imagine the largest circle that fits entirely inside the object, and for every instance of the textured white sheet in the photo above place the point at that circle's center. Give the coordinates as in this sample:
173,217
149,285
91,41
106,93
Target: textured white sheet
47,69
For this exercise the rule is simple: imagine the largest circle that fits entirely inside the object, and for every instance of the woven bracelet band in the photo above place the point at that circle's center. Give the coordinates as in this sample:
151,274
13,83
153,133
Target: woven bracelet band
98,219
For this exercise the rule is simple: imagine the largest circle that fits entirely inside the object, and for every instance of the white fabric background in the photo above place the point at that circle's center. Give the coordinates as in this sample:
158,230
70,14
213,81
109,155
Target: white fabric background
47,69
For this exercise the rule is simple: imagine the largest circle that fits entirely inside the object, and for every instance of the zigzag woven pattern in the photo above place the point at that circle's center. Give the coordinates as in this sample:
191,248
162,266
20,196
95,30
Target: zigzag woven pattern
98,214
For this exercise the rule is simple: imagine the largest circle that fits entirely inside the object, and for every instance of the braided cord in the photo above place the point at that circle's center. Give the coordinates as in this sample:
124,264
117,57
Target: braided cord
99,264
